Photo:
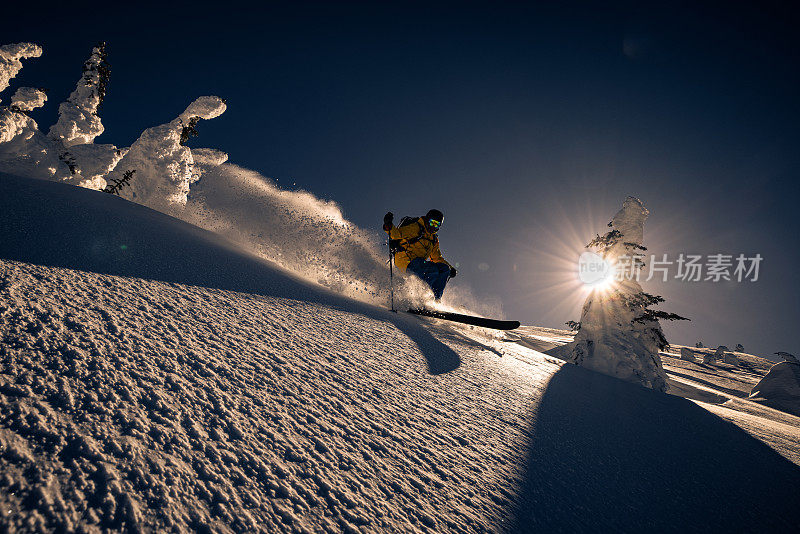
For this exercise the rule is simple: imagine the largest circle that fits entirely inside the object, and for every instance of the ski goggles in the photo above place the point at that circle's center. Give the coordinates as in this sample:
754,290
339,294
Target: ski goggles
434,223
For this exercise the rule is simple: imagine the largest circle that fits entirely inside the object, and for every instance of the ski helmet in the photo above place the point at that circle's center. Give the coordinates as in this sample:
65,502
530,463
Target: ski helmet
434,218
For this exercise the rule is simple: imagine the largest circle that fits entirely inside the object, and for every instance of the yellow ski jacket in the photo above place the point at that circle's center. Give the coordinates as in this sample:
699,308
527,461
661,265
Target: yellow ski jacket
416,241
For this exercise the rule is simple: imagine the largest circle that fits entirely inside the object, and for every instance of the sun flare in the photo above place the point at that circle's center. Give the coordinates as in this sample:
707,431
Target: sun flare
595,272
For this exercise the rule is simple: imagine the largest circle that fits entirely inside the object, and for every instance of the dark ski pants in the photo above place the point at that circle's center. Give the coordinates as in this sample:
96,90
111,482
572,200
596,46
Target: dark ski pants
435,275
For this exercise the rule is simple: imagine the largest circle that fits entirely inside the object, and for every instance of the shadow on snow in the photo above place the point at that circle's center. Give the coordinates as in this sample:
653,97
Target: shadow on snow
609,456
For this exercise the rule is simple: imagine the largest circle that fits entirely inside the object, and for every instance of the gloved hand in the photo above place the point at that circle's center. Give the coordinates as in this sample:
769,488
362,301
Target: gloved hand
387,220
453,272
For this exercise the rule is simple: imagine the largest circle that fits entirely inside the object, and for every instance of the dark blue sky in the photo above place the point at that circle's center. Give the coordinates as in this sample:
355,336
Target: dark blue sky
527,125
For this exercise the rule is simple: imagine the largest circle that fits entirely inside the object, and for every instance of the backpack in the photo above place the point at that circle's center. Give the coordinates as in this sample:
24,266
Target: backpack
395,244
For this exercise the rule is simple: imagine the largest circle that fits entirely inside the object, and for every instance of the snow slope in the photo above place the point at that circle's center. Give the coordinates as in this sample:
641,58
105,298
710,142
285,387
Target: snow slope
154,376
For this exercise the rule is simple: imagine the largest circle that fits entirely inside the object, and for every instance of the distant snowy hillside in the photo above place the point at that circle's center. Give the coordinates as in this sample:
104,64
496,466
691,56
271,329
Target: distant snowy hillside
154,376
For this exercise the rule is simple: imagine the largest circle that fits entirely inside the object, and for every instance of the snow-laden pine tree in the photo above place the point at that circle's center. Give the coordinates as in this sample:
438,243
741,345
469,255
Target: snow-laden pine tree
67,153
164,166
157,170
27,99
79,124
10,56
78,121
619,333
24,150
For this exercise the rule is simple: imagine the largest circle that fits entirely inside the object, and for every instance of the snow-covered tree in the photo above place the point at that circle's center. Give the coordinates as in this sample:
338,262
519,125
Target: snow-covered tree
79,124
157,170
164,166
66,153
24,150
27,99
78,120
620,334
10,64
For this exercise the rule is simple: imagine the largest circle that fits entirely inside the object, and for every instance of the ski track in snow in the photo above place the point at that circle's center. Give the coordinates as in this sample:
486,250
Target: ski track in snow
135,402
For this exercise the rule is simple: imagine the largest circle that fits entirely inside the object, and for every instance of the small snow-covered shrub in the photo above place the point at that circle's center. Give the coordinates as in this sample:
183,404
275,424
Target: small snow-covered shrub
709,357
118,185
730,358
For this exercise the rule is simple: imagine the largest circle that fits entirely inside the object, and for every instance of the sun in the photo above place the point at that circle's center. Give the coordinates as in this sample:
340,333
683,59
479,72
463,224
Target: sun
595,272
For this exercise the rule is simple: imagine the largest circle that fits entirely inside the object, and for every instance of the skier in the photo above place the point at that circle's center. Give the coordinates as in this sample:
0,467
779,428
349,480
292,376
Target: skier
415,247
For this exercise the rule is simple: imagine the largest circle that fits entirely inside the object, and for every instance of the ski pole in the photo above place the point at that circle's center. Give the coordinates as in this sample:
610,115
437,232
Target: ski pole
391,272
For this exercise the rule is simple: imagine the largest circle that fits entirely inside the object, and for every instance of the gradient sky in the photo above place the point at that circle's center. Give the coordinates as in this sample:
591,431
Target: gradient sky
527,125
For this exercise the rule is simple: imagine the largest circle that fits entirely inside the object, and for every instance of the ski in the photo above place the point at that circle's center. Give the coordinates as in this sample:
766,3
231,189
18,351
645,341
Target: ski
467,319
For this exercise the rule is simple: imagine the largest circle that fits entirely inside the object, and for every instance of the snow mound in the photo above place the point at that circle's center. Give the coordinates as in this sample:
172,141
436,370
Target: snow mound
93,162
66,153
780,388
687,354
